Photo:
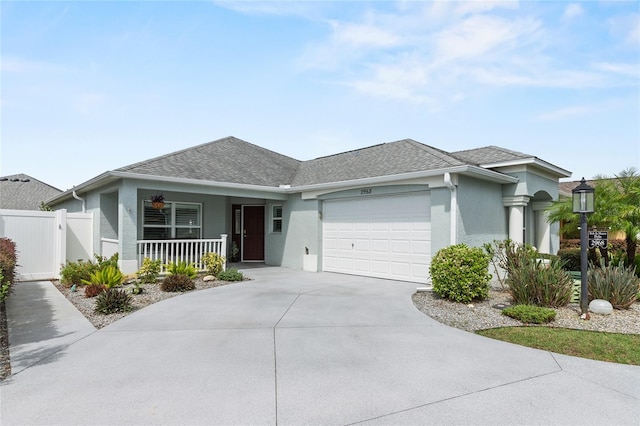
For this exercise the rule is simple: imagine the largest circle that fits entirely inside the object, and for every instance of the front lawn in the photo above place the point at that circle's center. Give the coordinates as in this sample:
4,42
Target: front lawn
612,347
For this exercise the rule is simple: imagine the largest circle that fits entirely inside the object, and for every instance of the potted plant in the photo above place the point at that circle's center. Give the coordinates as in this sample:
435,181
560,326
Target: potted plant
157,201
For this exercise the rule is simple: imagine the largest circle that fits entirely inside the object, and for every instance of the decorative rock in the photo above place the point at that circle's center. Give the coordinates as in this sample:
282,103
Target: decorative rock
599,306
208,278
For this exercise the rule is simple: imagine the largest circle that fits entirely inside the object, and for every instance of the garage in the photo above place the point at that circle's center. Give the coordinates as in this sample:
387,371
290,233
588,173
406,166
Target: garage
385,237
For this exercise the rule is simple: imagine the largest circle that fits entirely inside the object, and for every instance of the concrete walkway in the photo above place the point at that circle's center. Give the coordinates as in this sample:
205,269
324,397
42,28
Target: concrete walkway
291,347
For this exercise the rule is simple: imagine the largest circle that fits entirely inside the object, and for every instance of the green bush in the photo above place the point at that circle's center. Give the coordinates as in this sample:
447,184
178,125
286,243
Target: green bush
177,283
103,261
109,277
231,275
7,267
113,300
616,284
460,273
213,263
182,268
570,258
149,271
77,272
530,282
529,314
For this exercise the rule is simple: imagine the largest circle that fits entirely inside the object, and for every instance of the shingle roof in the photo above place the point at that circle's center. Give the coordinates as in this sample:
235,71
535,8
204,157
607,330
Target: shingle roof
489,154
22,192
386,159
226,160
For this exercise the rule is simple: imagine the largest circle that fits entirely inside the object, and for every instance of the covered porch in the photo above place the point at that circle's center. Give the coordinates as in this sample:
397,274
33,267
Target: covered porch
191,221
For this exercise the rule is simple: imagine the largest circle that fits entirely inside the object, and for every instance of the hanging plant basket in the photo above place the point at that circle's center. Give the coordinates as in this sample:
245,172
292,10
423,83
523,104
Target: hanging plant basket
157,201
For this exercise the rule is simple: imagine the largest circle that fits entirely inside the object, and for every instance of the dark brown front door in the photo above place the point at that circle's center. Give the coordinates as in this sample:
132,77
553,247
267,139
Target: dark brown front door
253,233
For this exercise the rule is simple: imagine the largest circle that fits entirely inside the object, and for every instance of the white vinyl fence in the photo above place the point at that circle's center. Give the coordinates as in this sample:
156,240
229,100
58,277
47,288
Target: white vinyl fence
46,240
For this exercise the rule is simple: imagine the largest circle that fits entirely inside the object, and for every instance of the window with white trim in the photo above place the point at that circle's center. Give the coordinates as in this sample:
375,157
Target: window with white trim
174,221
276,219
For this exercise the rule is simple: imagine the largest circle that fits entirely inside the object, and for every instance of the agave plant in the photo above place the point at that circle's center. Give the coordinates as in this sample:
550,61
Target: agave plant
109,277
616,284
182,268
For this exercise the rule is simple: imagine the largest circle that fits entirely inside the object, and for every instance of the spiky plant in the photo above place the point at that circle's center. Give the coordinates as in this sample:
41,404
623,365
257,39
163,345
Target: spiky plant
113,300
177,282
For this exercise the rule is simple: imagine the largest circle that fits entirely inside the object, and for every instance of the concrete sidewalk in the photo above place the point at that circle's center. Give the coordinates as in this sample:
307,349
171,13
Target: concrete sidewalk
291,347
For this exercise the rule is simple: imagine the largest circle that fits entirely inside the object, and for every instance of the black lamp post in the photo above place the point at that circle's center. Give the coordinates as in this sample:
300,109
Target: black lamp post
583,203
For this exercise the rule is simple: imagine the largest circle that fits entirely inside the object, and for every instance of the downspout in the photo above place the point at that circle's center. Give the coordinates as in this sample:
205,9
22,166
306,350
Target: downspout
453,237
84,203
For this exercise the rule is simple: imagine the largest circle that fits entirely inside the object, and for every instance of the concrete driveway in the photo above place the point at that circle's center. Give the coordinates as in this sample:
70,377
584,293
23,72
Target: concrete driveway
291,347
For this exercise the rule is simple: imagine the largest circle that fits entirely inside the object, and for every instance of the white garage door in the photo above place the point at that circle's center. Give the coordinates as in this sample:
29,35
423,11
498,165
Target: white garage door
385,237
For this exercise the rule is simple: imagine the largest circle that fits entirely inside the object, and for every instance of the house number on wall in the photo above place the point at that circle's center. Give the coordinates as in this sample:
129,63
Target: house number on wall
366,191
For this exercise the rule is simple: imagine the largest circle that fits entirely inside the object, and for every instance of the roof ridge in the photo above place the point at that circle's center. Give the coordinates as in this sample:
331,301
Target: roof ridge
197,147
498,148
346,152
442,154
31,178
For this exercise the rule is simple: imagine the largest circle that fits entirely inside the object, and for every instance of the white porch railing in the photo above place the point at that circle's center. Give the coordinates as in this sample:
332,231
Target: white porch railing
189,251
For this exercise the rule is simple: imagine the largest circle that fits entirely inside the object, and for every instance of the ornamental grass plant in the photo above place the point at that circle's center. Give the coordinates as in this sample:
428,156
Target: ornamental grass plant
614,283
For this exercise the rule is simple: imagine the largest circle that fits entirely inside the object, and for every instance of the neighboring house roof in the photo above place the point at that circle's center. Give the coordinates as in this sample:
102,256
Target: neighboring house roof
22,192
225,160
233,162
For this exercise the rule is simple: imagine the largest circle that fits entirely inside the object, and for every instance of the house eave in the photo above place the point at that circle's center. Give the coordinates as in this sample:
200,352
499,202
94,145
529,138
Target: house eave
467,170
112,176
533,161
115,175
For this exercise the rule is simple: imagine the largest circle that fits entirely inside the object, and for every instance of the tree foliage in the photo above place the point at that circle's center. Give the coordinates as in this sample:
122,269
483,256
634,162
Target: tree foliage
617,208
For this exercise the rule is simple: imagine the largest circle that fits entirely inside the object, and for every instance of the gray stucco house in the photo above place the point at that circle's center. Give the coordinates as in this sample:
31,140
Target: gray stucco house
381,211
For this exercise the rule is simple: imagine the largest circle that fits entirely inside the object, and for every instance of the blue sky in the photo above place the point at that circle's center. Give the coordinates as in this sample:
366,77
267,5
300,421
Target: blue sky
88,87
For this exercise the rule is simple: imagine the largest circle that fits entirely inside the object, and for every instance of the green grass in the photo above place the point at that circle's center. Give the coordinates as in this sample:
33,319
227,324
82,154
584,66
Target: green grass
612,347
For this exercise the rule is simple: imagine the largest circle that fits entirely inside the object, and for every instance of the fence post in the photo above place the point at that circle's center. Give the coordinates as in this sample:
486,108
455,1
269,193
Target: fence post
223,250
60,250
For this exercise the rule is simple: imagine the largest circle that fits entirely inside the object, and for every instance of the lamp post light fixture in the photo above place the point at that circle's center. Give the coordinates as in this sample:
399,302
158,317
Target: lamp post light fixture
583,197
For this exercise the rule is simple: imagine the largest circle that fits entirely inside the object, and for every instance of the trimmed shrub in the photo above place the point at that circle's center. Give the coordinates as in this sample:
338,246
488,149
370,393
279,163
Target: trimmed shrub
103,261
113,300
213,263
109,277
231,275
177,283
7,267
77,272
460,273
534,283
570,258
182,268
616,284
529,314
92,290
149,271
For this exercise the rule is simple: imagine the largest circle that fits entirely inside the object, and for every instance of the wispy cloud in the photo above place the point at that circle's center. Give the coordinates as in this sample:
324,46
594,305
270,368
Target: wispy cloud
420,52
572,10
20,65
581,110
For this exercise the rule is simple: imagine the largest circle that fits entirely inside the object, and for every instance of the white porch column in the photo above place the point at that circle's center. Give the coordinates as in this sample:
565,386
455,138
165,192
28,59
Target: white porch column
516,217
543,228
127,227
